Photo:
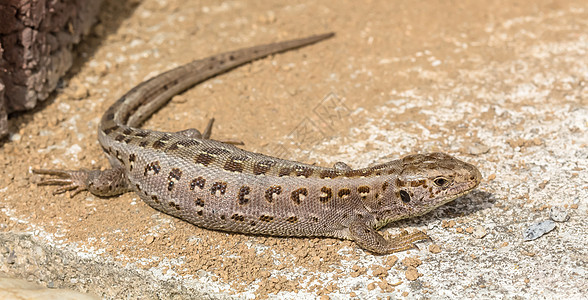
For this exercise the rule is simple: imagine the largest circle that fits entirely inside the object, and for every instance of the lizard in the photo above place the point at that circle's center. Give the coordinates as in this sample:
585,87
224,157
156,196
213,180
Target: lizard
220,186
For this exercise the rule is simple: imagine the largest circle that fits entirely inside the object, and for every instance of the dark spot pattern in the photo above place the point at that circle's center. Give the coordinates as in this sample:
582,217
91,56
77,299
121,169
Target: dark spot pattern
327,194
204,159
208,155
266,218
199,202
292,219
296,195
128,131
111,129
344,193
243,195
155,199
119,138
219,186
174,205
235,163
160,143
197,182
142,133
284,171
363,191
314,219
152,168
328,174
143,144
271,191
384,186
262,167
303,171
132,158
238,217
174,176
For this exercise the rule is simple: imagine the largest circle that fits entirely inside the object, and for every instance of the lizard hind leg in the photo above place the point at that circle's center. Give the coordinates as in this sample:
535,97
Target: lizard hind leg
195,133
369,239
105,183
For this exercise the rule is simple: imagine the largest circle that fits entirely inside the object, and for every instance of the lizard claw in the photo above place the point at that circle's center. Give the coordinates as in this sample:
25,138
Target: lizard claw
74,181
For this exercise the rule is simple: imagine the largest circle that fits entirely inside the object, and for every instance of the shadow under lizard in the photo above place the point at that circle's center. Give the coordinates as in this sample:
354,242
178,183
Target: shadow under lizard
218,186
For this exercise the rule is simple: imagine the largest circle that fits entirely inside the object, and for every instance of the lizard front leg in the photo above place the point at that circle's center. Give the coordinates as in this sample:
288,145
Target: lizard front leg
105,183
369,239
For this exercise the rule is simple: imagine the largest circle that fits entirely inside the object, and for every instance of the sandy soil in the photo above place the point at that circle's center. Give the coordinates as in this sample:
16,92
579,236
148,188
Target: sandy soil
499,84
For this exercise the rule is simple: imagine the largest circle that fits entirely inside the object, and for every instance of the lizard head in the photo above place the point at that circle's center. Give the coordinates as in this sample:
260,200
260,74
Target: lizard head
422,183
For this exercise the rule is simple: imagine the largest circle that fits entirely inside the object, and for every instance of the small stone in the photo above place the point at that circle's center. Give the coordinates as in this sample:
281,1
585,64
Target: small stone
391,260
352,294
477,149
149,240
558,214
434,248
379,271
411,262
412,274
479,232
537,230
371,286
384,285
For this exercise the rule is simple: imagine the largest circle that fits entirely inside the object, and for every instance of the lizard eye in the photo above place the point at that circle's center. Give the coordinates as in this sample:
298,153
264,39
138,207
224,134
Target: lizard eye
404,196
440,181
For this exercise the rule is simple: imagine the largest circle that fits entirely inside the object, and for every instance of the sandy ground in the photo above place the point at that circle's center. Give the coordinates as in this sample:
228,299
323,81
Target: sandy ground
502,85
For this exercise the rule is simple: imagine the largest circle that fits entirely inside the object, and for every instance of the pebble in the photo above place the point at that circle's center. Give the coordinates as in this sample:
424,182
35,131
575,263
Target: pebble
537,230
558,214
479,232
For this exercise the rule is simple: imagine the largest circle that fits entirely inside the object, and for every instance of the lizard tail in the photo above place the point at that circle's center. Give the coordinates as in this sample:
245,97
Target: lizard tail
142,101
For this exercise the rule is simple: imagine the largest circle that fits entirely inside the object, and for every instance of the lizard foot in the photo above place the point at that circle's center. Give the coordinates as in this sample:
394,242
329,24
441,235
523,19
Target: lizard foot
105,183
369,239
74,181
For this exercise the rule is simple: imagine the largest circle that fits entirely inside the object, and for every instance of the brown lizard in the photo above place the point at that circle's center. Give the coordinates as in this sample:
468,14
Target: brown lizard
218,186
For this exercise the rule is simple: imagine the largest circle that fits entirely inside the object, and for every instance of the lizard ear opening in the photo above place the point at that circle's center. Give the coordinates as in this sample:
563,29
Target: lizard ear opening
404,196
